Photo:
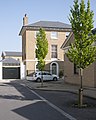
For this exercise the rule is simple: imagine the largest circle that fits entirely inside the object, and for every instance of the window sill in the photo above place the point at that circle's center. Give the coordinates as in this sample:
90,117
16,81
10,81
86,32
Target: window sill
54,59
53,38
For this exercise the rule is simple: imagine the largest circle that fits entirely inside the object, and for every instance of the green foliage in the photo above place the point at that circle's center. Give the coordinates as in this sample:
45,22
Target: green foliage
82,52
41,64
42,48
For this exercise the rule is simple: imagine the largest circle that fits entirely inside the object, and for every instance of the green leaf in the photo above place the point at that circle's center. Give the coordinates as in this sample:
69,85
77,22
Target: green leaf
42,48
82,52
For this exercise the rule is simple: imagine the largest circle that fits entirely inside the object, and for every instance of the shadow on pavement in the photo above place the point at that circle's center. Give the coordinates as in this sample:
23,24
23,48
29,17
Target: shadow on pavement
26,94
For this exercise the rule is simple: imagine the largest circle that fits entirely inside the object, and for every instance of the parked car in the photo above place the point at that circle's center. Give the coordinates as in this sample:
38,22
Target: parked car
46,76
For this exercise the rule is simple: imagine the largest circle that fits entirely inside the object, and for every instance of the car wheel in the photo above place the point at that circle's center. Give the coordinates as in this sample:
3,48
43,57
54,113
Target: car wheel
55,78
38,80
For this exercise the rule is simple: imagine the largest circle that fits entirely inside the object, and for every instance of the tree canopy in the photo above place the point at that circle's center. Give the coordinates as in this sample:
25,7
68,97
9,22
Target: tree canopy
42,48
83,51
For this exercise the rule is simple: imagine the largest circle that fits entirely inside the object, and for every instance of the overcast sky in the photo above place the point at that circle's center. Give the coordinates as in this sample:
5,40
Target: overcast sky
12,12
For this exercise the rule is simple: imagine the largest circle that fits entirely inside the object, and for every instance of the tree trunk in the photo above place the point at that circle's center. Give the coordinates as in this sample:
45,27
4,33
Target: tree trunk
81,89
41,79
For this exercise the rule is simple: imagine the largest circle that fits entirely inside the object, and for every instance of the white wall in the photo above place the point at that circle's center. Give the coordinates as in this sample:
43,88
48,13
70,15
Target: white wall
22,71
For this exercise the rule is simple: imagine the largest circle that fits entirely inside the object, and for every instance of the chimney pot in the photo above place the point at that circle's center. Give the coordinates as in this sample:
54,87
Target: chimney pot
25,20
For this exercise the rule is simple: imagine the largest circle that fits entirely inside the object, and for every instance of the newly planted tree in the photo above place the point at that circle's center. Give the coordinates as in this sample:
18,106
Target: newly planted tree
42,49
82,52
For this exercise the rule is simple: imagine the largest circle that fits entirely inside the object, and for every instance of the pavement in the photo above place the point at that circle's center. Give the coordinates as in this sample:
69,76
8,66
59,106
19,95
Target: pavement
59,85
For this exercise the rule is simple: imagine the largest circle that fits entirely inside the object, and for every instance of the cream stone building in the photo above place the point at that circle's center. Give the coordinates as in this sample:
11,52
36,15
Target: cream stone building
71,73
56,33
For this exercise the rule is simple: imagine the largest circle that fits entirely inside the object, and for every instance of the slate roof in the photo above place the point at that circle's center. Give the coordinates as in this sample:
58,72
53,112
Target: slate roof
50,24
10,62
47,25
9,53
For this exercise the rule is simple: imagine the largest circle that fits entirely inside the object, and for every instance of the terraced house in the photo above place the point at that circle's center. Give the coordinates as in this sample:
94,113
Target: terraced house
56,33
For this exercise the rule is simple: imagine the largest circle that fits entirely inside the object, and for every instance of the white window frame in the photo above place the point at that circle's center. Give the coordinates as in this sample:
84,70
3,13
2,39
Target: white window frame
54,35
54,51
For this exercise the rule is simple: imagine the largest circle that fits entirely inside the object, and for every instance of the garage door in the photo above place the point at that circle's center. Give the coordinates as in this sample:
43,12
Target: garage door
11,73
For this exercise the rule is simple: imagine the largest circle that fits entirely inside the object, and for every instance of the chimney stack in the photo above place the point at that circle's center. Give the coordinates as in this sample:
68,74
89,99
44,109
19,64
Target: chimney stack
25,20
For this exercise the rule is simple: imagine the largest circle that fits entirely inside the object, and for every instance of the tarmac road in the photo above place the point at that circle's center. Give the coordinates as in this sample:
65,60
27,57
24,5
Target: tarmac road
18,102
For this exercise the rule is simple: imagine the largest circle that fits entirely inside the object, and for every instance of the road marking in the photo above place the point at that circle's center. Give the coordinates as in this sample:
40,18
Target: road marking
55,107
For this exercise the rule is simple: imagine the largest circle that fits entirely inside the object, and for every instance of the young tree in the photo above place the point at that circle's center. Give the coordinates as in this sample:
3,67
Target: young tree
42,49
82,52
